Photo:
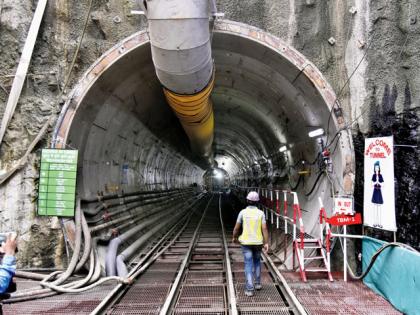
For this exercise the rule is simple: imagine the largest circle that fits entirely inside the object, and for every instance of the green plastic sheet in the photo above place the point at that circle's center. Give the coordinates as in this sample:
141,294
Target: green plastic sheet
395,275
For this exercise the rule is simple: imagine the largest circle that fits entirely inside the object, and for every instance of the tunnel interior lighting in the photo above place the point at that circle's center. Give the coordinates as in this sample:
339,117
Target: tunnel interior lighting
283,148
316,133
218,174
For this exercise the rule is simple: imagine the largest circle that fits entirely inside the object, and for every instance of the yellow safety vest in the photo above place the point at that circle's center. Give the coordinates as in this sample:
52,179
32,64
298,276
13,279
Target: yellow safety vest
251,226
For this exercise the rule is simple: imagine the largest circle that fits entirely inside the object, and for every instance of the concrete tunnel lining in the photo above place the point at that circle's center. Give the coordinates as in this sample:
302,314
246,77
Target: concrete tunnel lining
128,137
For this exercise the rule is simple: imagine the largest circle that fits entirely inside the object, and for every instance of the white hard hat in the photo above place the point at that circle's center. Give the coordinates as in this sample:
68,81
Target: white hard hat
253,196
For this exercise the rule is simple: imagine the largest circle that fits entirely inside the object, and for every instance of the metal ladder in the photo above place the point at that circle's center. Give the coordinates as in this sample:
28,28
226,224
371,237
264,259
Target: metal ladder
315,245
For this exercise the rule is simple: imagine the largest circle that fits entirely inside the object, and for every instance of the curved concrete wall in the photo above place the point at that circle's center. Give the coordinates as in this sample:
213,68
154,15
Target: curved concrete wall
266,95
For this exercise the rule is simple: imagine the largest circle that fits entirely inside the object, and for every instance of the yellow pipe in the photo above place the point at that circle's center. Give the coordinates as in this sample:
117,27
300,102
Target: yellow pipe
195,113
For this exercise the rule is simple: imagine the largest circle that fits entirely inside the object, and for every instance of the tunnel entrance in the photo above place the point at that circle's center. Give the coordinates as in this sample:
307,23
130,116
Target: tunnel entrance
267,98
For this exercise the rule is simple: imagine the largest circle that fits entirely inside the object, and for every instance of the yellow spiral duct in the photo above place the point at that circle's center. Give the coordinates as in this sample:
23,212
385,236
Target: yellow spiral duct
195,113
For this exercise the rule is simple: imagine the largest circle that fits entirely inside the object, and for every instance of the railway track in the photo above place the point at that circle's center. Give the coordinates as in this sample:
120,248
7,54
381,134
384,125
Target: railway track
195,269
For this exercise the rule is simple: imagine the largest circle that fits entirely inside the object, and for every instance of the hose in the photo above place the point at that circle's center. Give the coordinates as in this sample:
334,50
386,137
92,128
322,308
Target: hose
90,252
316,182
78,242
87,243
375,257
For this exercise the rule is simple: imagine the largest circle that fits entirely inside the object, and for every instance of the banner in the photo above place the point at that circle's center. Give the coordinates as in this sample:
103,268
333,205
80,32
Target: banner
379,195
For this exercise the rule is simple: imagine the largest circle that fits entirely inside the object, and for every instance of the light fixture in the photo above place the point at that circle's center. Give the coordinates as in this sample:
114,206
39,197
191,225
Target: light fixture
316,133
219,175
283,148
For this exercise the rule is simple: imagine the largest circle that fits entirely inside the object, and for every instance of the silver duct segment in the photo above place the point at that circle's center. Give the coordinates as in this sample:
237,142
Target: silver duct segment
180,42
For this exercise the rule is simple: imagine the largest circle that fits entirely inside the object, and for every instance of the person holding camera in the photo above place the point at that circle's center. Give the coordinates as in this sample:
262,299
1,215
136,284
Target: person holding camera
8,263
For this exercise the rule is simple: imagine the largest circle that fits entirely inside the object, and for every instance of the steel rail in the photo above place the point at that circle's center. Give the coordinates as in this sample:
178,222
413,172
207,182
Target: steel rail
231,289
286,290
117,291
170,299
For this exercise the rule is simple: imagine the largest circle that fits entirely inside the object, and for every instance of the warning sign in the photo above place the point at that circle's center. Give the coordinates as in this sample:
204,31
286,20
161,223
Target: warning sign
57,182
343,205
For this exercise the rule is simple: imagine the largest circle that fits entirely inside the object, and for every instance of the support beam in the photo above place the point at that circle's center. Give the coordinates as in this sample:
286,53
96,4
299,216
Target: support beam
22,68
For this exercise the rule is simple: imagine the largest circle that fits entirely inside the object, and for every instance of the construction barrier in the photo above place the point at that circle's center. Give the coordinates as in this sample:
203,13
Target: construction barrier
395,275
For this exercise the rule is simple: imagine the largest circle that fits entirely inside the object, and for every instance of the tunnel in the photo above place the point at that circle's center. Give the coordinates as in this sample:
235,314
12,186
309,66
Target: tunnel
267,99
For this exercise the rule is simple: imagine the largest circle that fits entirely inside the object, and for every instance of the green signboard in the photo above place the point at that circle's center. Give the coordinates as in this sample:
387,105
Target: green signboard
57,182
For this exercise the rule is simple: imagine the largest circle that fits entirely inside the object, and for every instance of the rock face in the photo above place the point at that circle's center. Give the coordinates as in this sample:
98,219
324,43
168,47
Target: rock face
368,50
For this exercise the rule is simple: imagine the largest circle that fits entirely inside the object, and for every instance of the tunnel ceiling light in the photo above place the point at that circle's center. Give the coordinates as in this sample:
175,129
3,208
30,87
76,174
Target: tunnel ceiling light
283,149
316,133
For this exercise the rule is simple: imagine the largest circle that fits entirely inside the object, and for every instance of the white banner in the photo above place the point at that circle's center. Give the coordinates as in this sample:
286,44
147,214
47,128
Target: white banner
379,196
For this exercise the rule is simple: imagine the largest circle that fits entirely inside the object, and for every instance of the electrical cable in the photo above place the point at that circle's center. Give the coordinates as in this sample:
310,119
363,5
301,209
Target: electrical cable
345,84
297,185
314,185
375,257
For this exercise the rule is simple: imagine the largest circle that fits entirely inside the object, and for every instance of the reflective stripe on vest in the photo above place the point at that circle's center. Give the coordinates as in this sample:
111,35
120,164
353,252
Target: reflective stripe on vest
251,227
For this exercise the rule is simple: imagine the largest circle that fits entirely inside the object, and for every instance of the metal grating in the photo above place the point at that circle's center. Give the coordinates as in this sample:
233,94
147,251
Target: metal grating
207,257
239,266
146,295
164,266
239,277
157,277
268,296
264,311
204,266
319,296
210,297
211,277
129,310
199,311
78,304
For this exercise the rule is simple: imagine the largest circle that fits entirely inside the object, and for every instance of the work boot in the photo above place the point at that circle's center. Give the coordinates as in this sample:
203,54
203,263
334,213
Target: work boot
258,286
249,293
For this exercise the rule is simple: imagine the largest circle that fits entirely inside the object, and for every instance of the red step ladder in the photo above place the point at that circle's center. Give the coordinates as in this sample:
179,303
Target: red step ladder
315,246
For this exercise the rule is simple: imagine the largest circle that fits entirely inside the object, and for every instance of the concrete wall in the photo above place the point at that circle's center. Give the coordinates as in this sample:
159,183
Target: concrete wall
385,85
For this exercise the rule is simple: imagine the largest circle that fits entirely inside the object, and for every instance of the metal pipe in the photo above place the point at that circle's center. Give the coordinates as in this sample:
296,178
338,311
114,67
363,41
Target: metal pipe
181,51
104,205
129,218
99,198
129,251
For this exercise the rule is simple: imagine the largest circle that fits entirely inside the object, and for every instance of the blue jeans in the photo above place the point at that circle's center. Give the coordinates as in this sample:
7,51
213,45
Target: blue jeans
252,260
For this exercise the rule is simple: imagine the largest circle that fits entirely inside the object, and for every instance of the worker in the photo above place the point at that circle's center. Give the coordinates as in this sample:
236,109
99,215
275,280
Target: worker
8,263
253,239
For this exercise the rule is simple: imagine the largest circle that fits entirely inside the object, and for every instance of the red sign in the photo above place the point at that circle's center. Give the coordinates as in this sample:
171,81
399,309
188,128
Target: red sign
341,219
